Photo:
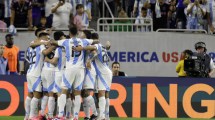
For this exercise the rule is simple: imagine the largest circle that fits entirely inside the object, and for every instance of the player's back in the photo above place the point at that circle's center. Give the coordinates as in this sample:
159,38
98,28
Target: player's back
61,55
35,58
73,58
101,61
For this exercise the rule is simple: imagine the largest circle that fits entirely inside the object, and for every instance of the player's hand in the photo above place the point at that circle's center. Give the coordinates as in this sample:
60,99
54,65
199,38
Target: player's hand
107,45
88,64
46,59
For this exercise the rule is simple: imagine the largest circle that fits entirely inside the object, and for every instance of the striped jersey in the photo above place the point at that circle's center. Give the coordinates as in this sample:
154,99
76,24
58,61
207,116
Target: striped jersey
3,66
73,58
61,55
36,60
101,61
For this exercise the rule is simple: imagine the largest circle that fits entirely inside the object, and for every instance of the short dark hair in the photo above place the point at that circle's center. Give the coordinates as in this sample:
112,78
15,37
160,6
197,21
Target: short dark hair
43,34
8,35
58,35
115,63
143,9
79,6
73,30
39,29
87,33
94,36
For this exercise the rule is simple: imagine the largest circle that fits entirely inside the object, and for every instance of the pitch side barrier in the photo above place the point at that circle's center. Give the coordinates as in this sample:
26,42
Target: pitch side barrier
133,97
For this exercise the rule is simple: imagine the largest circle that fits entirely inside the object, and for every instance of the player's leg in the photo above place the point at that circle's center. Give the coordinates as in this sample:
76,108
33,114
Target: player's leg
67,81
88,100
37,92
107,105
77,87
104,83
45,97
50,76
28,98
68,106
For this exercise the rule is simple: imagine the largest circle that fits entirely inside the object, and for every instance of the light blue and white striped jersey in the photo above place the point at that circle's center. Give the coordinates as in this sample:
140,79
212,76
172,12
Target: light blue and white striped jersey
87,55
36,60
73,58
87,5
3,66
7,10
48,65
61,55
101,61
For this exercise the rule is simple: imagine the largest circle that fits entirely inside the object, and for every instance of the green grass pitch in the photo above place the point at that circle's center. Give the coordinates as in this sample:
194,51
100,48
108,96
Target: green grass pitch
113,118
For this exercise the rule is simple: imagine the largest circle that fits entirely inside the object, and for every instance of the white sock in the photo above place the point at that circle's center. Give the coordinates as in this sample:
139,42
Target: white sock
51,106
57,109
27,107
102,104
61,104
34,107
77,105
98,111
73,106
92,105
43,104
107,108
86,106
68,107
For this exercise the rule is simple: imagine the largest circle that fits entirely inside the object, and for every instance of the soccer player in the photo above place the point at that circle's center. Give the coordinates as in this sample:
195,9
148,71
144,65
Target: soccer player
100,61
89,81
36,57
59,62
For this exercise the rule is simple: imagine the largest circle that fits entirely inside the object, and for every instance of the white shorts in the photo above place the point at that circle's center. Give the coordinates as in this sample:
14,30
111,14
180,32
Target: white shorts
73,78
89,80
48,77
58,81
34,83
104,81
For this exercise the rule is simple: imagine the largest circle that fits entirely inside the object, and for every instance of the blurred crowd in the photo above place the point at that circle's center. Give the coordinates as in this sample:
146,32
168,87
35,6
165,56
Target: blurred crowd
180,14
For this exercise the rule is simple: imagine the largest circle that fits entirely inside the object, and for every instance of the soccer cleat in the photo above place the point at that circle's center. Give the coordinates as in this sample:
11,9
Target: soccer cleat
93,117
86,118
35,118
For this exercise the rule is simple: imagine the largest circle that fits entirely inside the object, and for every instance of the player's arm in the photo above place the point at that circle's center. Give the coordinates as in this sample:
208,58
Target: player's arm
53,61
88,62
90,48
36,43
49,50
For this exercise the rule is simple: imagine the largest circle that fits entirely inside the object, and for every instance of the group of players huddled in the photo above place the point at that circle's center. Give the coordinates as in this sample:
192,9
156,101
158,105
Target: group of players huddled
64,70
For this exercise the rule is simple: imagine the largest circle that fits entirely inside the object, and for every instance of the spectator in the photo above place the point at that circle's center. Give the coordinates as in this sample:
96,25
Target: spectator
11,53
130,7
172,14
1,9
143,19
43,23
180,15
195,13
138,4
62,12
159,13
123,27
3,26
180,66
86,3
81,19
37,6
7,11
116,68
48,13
21,14
4,69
